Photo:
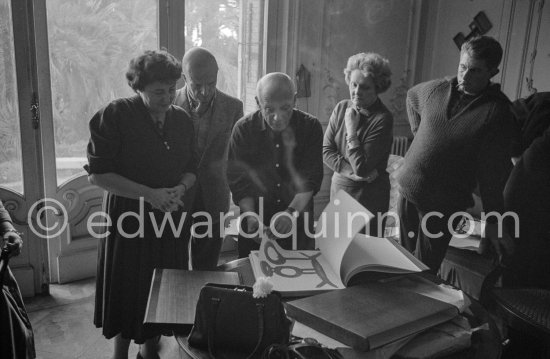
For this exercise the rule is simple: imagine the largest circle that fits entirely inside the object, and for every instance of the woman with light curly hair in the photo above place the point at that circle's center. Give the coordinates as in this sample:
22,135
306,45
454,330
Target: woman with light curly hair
359,136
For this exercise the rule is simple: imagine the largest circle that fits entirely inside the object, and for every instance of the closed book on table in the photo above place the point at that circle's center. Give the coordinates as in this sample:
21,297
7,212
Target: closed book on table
174,294
369,316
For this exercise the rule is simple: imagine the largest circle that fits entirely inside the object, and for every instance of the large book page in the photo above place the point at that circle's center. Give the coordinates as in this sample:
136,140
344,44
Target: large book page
376,254
294,272
340,221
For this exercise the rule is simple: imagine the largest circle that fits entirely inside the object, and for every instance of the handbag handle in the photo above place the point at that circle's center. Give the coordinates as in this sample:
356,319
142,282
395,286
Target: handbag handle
212,328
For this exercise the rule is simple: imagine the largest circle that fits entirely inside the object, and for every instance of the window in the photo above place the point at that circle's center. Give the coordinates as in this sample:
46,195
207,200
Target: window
90,45
252,35
215,25
11,171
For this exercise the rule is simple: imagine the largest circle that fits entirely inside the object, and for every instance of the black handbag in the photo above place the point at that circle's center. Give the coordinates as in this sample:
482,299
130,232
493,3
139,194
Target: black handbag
230,323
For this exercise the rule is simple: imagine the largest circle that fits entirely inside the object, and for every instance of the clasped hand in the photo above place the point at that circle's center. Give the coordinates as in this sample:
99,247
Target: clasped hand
167,199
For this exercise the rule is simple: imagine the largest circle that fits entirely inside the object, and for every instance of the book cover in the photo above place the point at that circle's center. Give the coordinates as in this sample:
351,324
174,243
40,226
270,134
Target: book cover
370,315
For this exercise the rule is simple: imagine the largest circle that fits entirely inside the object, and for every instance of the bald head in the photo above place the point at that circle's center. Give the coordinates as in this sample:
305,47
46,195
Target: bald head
275,86
276,96
198,59
200,72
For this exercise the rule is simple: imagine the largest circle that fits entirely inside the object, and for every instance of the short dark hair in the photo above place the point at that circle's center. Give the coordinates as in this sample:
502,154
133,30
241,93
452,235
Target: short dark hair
152,66
484,48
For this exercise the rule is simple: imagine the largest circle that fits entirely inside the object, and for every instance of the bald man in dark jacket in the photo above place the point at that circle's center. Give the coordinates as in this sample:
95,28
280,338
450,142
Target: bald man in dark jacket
214,114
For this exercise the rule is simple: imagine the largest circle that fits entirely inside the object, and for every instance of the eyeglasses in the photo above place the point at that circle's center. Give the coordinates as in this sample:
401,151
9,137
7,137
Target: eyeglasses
307,348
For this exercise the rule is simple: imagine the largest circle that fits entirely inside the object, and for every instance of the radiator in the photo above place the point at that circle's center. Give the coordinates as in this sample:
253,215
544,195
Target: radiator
400,146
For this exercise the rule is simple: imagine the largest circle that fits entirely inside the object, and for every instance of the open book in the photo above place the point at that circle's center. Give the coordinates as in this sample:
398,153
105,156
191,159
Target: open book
344,254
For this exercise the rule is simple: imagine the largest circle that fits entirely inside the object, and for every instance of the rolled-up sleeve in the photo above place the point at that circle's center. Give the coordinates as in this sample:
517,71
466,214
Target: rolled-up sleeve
104,144
238,167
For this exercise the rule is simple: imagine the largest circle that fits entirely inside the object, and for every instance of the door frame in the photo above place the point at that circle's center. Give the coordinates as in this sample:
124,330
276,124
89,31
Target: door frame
31,266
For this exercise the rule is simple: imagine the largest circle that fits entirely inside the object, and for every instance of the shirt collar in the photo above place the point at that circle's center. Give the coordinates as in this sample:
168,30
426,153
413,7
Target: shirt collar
264,126
193,104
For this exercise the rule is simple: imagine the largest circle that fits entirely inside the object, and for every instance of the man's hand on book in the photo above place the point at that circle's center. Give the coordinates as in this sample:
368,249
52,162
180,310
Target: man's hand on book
281,223
253,224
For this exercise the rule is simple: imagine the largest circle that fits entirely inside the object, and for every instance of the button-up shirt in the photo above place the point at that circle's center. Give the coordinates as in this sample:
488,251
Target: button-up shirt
274,165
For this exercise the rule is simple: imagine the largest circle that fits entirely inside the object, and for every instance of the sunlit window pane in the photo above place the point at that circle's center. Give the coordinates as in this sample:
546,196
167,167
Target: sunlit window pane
11,170
251,49
214,24
91,43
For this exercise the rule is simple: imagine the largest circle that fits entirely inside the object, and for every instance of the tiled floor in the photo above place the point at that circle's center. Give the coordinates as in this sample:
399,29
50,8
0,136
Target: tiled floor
63,327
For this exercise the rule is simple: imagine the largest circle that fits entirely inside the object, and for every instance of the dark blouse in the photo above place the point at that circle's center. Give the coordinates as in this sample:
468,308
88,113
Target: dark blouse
124,140
375,133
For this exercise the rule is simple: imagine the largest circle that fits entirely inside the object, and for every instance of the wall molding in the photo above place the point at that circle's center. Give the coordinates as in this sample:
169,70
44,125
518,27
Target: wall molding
525,51
508,37
529,80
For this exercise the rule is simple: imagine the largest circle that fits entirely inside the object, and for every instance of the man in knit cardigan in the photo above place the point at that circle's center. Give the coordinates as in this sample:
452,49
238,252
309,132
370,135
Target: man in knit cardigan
462,129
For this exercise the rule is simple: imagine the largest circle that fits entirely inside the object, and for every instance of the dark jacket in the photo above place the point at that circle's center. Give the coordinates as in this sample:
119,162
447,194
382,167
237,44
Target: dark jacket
213,162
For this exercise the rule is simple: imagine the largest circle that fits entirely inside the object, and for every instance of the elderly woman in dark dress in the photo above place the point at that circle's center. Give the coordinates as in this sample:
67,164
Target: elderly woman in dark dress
141,151
359,136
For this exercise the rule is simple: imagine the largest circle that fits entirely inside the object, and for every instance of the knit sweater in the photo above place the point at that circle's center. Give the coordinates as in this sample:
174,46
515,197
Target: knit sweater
375,133
450,155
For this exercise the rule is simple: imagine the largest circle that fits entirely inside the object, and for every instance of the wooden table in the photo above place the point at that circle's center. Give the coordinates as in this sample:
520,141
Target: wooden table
485,343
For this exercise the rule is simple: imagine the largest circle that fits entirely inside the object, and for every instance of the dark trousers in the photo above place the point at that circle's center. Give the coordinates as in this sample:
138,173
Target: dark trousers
205,250
423,243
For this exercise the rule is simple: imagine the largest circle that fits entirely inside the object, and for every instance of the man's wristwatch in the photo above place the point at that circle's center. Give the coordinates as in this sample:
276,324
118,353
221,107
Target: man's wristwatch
293,212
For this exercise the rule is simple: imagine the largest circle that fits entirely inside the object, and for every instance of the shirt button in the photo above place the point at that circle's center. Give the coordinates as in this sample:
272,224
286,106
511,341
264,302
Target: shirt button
277,145
278,201
278,185
277,165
